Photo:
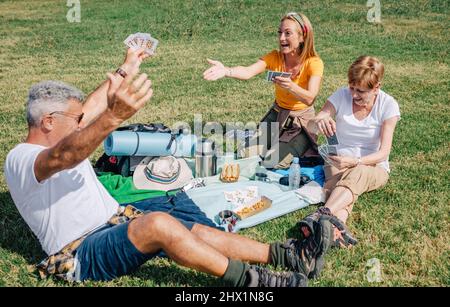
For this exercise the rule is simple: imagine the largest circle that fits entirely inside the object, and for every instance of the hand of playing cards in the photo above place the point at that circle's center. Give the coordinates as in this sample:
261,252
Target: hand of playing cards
142,40
272,74
329,149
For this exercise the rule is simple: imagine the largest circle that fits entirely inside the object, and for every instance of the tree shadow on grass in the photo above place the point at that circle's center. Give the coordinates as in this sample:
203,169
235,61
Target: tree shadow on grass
15,235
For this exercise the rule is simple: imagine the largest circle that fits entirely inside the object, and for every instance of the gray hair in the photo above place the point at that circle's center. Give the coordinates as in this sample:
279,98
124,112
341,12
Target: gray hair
49,96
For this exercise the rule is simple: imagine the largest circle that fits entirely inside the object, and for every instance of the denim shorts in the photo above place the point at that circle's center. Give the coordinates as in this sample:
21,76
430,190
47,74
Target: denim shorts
108,253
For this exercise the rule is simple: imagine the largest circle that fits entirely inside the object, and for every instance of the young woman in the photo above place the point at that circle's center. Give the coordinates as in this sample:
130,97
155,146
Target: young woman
294,96
363,117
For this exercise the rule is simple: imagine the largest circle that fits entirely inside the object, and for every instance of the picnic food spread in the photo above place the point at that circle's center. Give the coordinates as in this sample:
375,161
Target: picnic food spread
248,202
257,207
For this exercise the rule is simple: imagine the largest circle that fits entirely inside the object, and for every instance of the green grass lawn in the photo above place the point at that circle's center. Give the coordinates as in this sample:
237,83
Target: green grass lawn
405,225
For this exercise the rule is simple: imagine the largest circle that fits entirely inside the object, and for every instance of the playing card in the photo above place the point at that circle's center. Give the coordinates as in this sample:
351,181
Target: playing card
131,41
272,74
150,45
281,74
332,140
323,151
142,40
332,150
286,75
128,41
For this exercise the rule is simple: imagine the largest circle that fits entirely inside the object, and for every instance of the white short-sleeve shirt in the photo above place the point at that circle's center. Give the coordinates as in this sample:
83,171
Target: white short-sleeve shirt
61,208
359,138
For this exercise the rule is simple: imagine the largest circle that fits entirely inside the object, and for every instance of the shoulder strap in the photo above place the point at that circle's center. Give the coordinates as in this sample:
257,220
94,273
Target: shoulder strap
151,127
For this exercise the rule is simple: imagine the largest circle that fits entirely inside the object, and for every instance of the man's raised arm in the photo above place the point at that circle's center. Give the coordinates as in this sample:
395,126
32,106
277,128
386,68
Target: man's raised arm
97,102
124,98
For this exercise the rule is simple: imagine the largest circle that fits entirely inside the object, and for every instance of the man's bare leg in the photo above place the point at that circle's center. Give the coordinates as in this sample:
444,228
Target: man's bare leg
156,231
209,250
232,245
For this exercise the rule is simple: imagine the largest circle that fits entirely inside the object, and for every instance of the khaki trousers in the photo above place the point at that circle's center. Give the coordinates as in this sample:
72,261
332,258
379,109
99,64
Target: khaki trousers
358,179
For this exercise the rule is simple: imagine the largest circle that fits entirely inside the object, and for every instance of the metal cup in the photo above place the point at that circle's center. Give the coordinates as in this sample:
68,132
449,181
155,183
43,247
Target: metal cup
227,219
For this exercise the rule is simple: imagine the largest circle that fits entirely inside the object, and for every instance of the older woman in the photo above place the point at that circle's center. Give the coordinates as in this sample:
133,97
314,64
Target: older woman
294,96
363,117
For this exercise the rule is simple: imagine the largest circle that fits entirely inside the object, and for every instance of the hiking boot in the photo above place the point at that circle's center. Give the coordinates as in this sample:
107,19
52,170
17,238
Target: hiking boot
345,238
307,224
262,277
307,255
325,237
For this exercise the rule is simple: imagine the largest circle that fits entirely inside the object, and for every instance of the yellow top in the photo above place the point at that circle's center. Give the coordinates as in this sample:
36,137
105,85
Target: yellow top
313,66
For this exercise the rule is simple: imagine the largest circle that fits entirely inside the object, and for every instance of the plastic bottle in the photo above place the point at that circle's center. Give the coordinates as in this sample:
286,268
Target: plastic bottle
294,175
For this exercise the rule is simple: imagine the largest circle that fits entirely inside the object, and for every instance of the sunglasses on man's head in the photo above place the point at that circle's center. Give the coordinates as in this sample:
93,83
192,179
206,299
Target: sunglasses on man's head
77,117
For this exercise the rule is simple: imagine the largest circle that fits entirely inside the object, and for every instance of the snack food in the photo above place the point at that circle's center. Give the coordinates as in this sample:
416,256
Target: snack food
230,173
257,207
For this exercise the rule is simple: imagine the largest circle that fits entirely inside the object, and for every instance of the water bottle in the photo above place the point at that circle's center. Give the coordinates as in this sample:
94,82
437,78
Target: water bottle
294,175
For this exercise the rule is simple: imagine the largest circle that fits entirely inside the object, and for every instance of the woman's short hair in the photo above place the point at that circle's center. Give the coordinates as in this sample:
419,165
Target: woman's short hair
304,28
49,96
366,71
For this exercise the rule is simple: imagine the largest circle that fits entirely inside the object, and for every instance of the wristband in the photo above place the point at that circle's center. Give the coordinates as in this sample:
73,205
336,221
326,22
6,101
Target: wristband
121,72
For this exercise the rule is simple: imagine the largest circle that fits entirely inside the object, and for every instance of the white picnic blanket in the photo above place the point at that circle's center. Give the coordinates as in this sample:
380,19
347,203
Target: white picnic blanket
211,200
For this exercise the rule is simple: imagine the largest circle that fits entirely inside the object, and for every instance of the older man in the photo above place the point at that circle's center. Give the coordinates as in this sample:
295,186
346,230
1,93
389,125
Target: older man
56,191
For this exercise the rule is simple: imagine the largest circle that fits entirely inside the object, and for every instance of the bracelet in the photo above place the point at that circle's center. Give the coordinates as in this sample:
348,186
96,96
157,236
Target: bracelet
229,72
358,161
121,72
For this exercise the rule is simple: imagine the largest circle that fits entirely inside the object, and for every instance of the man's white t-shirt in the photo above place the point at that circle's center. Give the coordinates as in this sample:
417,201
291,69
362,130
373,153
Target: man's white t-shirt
359,138
61,208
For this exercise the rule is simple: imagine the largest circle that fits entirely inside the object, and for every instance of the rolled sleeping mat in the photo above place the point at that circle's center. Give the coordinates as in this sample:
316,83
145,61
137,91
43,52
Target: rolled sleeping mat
155,144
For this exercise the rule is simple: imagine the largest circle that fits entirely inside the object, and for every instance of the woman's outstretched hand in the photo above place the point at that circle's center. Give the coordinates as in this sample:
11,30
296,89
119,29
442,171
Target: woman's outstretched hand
215,72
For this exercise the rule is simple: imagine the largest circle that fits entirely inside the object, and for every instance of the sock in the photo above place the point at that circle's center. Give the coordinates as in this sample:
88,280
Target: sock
236,273
278,255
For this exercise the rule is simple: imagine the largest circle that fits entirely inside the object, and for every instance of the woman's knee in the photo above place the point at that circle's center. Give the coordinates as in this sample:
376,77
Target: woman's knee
364,178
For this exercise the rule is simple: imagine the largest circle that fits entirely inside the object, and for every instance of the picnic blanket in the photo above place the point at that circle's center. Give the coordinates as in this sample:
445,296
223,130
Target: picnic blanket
123,190
211,201
201,205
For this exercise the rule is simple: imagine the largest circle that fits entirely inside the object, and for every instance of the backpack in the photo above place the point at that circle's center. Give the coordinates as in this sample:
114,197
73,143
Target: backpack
125,165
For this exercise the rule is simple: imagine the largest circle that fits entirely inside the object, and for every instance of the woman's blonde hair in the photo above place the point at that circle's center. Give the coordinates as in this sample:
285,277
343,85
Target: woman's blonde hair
305,28
366,71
